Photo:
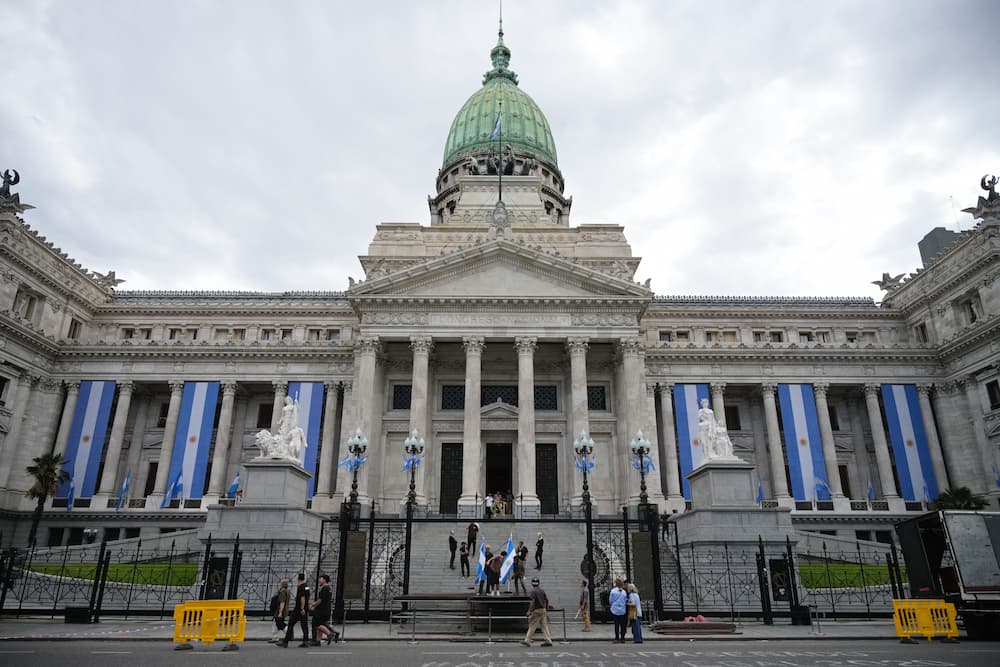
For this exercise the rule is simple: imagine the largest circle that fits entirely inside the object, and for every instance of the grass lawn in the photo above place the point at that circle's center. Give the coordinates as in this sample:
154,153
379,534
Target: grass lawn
844,575
148,574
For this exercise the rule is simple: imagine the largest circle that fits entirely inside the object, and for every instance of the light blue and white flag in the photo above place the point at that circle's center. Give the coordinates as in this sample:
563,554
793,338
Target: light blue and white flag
871,491
802,441
909,441
760,489
175,490
508,562
310,399
497,128
996,475
234,487
124,490
481,566
686,398
194,436
87,433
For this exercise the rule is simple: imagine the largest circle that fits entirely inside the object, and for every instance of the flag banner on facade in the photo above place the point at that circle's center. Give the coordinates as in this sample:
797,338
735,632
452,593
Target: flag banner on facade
86,439
174,490
234,487
508,562
497,128
909,442
189,462
123,491
871,491
803,444
481,566
760,489
686,398
309,396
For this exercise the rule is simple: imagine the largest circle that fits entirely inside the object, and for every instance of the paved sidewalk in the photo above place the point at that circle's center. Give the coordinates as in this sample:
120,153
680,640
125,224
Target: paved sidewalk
141,629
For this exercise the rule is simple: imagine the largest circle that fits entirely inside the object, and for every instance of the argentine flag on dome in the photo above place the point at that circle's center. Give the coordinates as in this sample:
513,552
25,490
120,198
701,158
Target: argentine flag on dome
189,461
86,439
686,399
909,442
497,128
309,396
803,445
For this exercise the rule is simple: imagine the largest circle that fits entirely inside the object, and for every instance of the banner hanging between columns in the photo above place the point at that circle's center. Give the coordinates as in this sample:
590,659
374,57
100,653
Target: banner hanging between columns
87,434
803,443
686,399
194,437
909,442
309,396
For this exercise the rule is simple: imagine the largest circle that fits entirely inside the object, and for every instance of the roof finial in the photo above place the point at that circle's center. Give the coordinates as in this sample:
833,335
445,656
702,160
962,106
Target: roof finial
500,55
501,20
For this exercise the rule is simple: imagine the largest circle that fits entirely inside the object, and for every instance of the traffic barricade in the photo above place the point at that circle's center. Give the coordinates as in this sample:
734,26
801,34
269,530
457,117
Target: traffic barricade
210,620
925,617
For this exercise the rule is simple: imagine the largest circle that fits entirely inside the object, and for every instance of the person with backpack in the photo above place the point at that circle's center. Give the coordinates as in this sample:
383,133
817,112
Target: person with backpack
321,608
279,610
299,614
538,614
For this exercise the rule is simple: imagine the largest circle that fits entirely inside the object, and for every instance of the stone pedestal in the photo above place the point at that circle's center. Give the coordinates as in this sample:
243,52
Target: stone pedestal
724,508
273,507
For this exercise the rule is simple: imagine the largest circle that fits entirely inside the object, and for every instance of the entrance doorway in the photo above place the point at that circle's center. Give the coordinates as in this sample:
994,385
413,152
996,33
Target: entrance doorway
451,476
499,467
547,478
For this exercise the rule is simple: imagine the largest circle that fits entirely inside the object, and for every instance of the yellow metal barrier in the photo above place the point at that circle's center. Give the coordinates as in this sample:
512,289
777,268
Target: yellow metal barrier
924,617
209,620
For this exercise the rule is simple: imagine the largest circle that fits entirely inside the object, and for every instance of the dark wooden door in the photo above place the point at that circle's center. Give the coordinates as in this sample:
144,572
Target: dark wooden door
547,478
451,477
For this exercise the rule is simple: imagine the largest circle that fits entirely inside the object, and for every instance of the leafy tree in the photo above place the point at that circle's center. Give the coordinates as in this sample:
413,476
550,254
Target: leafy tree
47,471
959,499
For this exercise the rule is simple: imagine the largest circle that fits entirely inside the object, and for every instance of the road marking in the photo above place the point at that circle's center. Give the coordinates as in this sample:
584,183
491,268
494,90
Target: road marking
328,652
110,652
13,652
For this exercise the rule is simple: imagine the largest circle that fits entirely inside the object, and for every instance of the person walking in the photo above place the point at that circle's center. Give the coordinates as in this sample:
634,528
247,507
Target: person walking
618,600
280,606
464,560
538,614
321,609
299,614
452,547
519,570
539,545
634,613
472,532
585,605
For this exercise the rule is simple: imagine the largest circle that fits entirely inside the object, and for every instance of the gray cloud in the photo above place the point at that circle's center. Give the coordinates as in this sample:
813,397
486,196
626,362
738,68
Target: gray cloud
804,147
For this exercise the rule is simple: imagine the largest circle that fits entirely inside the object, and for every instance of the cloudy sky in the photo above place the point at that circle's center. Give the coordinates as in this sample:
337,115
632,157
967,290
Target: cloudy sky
749,148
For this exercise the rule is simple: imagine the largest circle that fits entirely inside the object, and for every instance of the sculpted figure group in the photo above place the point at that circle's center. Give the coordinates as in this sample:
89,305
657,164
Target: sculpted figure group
715,442
290,440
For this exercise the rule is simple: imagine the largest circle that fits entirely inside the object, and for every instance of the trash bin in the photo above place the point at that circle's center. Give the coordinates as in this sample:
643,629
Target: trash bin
77,615
800,615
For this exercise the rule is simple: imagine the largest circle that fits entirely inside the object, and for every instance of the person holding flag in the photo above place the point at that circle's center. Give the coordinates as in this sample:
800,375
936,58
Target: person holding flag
484,555
509,557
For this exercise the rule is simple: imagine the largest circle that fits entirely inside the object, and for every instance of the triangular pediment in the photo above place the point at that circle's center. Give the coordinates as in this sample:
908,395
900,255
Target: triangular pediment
498,410
500,269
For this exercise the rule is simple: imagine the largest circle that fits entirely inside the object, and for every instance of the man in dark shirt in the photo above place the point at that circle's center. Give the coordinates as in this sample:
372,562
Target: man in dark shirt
452,547
300,614
321,609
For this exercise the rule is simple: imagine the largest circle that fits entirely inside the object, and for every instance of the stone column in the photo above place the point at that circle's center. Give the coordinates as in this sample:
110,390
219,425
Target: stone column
66,421
671,468
779,484
881,447
326,471
218,484
114,453
135,442
169,435
472,455
348,425
422,347
718,404
280,391
826,436
654,489
526,495
368,350
933,443
630,349
579,410
974,406
25,384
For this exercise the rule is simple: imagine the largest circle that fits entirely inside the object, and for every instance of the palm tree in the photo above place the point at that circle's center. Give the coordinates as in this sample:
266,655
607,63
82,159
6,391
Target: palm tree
960,498
47,471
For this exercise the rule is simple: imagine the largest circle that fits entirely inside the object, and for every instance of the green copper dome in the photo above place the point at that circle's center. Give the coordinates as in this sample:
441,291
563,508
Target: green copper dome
523,125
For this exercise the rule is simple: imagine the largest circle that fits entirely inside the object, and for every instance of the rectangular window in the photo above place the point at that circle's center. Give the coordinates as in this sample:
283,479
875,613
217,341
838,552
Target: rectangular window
665,337
192,334
682,336
220,334
453,397
402,395
150,478
851,336
239,334
733,422
760,336
920,332
728,336
834,419
161,420
128,333
75,327
777,337
3,389
265,412
597,397
545,398
173,334
845,480
266,334
146,333
332,334
711,336
492,393
286,334
315,334
806,337
822,336
867,337
55,537
993,392
969,311
865,535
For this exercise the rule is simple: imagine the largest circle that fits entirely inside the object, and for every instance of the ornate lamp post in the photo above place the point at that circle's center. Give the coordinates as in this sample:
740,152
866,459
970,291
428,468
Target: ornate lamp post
350,511
640,450
357,445
584,448
414,448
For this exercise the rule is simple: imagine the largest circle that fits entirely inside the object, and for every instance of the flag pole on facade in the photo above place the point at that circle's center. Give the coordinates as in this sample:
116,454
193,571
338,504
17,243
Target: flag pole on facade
498,135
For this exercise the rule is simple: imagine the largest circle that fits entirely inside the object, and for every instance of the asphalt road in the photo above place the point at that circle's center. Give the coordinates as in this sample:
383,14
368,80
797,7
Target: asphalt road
457,654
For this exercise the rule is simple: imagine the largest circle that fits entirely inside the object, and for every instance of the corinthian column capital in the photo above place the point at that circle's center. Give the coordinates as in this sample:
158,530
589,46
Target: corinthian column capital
577,345
421,344
473,344
525,344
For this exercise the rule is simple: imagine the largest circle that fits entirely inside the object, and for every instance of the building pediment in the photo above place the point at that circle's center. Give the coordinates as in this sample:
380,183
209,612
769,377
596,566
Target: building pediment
496,270
498,410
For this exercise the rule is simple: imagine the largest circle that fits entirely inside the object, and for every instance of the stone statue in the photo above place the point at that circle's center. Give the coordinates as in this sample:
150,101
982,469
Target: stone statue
889,283
290,441
473,166
715,442
11,202
8,181
528,166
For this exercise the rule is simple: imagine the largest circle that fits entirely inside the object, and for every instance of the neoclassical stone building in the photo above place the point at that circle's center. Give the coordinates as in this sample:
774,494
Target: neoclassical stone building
499,332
